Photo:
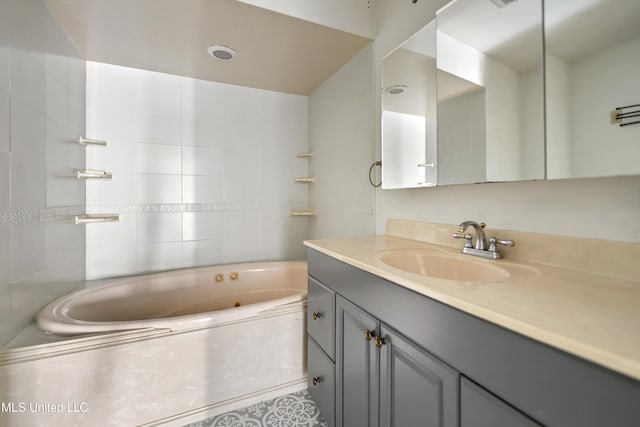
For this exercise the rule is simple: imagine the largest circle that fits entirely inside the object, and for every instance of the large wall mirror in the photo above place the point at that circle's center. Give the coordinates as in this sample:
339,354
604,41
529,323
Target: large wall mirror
592,68
490,91
473,112
409,150
482,118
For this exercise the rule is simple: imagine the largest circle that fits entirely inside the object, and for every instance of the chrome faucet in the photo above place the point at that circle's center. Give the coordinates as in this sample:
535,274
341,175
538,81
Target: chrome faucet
480,249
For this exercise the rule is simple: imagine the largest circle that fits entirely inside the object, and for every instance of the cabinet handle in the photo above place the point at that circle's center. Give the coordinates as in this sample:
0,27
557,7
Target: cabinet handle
369,335
380,342
317,315
317,380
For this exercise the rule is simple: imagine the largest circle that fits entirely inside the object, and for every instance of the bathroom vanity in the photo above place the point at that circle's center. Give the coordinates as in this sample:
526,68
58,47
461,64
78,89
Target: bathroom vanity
390,348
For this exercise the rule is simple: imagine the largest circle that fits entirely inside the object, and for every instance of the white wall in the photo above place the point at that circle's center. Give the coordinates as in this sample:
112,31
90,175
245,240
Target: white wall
202,172
604,208
42,84
599,83
340,135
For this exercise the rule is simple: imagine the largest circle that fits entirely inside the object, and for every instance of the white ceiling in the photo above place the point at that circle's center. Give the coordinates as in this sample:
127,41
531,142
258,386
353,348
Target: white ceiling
275,52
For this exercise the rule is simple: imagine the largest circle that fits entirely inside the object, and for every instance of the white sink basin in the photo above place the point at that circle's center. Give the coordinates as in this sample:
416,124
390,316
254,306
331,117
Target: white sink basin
442,266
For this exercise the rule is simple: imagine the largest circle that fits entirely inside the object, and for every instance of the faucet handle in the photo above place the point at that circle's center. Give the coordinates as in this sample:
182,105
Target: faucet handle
493,242
467,237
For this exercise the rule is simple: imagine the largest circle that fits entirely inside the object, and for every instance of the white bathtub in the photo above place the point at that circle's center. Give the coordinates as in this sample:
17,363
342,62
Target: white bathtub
178,300
203,356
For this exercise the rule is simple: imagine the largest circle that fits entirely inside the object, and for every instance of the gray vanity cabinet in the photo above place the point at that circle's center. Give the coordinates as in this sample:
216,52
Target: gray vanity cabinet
357,361
416,389
320,347
382,379
479,408
439,366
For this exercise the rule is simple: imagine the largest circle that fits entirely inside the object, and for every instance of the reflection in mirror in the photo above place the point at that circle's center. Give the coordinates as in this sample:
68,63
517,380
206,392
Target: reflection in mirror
593,67
409,113
490,91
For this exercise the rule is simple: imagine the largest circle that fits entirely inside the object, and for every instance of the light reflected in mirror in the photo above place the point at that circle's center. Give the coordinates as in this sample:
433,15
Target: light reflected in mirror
593,67
490,91
409,150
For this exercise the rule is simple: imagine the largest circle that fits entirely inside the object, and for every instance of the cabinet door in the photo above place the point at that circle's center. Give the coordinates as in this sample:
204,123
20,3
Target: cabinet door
356,367
416,389
479,408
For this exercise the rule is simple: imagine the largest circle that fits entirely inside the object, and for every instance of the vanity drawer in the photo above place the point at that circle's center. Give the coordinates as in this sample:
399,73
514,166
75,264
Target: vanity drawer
320,382
321,316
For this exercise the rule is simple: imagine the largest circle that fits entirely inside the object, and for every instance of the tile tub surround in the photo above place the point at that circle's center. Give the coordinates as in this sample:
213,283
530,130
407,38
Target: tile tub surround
291,410
577,304
157,377
202,172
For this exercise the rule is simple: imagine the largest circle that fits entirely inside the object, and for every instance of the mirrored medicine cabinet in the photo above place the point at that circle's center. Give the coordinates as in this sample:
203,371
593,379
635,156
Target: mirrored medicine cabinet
469,98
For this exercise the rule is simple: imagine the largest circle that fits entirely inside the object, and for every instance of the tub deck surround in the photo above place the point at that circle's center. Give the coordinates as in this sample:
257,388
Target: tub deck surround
567,297
158,377
178,300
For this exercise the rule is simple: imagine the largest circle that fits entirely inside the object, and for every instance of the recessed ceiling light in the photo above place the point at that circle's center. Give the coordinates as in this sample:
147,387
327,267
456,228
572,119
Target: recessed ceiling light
396,89
222,53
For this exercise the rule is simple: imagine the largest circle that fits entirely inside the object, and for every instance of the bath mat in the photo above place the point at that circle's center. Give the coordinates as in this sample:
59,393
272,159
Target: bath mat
290,410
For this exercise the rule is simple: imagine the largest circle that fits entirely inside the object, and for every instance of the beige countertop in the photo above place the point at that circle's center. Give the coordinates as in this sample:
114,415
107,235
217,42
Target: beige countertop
591,315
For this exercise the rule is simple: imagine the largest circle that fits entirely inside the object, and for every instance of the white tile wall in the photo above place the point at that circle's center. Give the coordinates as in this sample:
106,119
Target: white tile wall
159,159
62,146
158,227
159,189
110,261
57,101
5,182
5,46
63,190
28,28
28,80
202,252
58,52
120,233
241,236
210,160
201,161
5,120
202,225
28,156
202,189
158,256
28,246
42,108
158,128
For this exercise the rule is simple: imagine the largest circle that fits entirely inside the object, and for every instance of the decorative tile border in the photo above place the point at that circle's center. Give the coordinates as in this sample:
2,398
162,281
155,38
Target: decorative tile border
21,217
173,208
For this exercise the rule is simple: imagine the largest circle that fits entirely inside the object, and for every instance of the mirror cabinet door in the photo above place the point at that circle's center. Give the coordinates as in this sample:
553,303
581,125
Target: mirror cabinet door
409,147
490,91
487,84
592,68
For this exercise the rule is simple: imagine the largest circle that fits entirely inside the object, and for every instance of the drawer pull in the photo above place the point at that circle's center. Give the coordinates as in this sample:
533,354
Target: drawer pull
380,342
317,315
369,335
317,380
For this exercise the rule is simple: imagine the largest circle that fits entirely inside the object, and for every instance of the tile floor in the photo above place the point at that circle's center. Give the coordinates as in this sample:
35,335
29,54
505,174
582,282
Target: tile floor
290,410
